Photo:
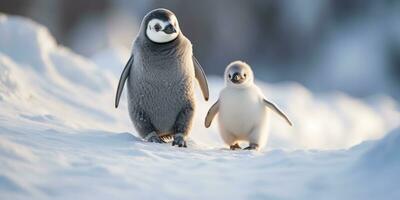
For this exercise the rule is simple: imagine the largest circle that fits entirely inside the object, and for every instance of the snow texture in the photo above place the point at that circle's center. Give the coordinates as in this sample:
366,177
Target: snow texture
62,138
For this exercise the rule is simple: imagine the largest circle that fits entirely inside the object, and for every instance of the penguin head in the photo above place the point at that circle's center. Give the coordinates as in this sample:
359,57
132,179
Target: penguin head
238,74
161,26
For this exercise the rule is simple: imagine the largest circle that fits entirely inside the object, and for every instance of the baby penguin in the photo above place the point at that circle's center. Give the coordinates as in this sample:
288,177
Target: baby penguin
241,106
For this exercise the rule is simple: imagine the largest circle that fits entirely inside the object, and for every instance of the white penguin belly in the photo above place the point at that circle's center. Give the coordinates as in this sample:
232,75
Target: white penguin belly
240,111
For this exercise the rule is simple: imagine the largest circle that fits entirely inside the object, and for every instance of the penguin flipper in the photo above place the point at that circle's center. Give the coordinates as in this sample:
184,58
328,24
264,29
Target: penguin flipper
211,114
122,79
275,109
201,78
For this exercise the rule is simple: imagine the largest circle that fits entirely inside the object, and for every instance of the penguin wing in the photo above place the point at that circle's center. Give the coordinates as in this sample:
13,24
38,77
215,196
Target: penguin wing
201,78
275,109
211,114
122,79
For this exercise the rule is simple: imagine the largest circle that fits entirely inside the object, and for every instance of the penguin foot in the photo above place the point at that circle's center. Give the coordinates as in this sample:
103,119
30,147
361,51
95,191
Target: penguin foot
153,137
252,146
235,146
179,140
167,138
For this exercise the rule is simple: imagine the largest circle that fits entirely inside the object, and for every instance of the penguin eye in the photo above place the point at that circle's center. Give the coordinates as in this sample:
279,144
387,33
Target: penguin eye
245,75
157,27
229,76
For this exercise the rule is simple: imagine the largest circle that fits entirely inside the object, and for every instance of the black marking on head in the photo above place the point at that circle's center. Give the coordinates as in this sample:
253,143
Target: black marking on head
161,14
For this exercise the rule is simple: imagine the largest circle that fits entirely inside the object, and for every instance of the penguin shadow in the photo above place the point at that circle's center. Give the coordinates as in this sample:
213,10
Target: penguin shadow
164,149
191,144
240,151
167,141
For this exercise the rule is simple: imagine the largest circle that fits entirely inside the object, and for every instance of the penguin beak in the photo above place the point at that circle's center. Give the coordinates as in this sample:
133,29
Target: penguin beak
237,78
169,29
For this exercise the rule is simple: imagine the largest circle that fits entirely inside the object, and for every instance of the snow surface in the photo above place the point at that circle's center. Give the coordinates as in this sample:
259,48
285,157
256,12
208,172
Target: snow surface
62,138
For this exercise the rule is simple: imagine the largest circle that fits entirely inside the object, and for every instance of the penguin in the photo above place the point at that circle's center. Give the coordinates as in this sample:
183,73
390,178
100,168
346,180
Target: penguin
242,109
161,74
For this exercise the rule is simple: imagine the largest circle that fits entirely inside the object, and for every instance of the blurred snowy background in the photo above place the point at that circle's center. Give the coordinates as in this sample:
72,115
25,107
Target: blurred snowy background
332,66
327,45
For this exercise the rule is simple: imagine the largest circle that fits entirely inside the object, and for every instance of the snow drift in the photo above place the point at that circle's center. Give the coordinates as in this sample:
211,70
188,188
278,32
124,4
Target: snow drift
61,138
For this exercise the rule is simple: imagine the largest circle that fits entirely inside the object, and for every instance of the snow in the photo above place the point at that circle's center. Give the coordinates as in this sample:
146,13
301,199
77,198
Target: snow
62,138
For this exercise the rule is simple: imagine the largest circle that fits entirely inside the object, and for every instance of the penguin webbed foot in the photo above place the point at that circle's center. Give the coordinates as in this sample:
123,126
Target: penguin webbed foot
235,146
252,146
179,140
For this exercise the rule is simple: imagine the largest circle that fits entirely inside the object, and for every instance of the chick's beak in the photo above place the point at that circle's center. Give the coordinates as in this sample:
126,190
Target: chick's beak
237,78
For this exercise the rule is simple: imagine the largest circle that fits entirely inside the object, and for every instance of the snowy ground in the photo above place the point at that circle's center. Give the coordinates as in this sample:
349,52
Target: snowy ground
61,138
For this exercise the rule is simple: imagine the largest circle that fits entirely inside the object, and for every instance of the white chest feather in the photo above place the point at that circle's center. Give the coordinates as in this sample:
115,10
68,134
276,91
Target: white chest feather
240,110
